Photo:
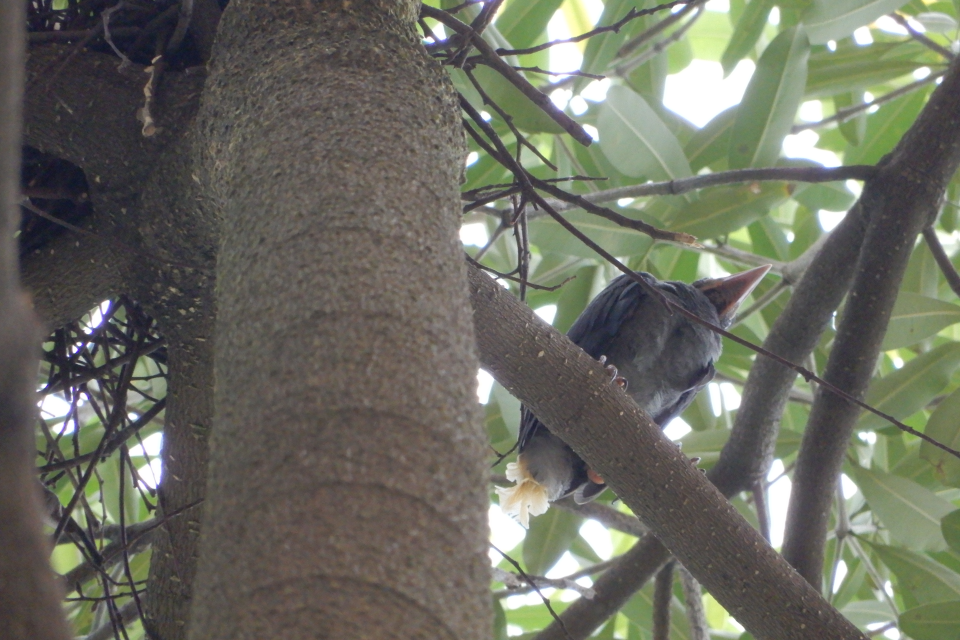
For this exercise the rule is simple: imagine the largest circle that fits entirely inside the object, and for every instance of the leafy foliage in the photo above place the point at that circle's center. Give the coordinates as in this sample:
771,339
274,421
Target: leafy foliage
851,80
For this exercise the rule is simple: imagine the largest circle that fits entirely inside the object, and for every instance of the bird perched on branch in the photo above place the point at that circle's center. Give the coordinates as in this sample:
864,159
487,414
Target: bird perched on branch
662,357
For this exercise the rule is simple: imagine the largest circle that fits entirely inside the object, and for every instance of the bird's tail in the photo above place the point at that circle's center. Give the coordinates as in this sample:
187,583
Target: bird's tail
527,498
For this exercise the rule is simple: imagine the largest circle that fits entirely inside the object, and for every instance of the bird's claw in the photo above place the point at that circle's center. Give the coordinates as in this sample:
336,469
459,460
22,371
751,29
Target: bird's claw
615,376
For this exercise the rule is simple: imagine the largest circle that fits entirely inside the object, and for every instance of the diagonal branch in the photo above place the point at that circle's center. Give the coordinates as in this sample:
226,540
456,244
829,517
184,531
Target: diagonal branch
646,470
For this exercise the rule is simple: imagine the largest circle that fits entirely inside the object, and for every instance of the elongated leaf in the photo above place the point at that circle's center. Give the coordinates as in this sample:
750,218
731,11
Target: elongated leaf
924,580
574,298
864,612
726,209
916,317
499,621
834,19
545,232
944,427
712,142
855,128
950,527
854,68
937,22
909,511
885,128
832,196
937,621
549,537
525,113
907,390
521,22
771,101
635,139
746,33
602,49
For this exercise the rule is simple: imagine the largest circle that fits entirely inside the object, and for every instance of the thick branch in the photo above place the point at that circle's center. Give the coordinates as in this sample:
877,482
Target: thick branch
29,596
900,202
647,471
748,453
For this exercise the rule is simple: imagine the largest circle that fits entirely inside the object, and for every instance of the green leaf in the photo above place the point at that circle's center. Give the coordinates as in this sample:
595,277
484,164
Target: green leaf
854,68
746,33
770,102
712,142
544,232
635,139
709,35
521,23
916,317
909,511
937,22
834,19
937,621
950,528
885,128
925,580
725,209
549,537
907,390
499,621
769,240
574,297
832,196
864,612
525,113
944,427
855,128
602,49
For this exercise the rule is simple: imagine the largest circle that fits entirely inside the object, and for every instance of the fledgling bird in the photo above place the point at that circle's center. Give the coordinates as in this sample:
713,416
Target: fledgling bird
664,358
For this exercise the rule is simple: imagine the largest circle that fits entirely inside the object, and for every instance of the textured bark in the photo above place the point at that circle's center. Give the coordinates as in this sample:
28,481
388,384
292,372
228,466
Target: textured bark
29,596
347,493
899,202
189,417
572,394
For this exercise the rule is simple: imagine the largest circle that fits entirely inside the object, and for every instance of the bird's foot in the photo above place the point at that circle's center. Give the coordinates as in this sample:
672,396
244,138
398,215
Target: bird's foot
615,376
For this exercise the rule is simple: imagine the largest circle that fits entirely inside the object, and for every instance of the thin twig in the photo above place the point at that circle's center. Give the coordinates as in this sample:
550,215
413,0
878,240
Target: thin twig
521,281
639,40
631,15
849,112
696,614
922,39
512,75
659,47
662,598
943,260
546,601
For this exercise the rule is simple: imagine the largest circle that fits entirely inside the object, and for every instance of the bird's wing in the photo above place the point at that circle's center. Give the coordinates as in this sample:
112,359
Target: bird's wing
700,380
594,330
604,316
529,424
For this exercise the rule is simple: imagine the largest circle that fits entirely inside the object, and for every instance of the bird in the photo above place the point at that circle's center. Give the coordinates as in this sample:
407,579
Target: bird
661,357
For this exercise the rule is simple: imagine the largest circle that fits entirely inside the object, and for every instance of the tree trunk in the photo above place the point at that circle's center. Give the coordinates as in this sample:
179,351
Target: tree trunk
29,597
347,492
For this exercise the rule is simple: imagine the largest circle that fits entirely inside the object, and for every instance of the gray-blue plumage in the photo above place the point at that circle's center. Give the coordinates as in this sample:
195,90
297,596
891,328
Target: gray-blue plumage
665,358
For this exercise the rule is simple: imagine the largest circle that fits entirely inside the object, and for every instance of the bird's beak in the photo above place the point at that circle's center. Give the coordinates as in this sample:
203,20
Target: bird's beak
726,294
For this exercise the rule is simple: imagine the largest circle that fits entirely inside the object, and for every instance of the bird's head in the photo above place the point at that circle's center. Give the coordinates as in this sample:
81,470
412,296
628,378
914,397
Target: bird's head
726,294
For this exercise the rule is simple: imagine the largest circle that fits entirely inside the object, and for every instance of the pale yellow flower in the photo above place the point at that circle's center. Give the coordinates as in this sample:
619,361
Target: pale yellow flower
527,498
